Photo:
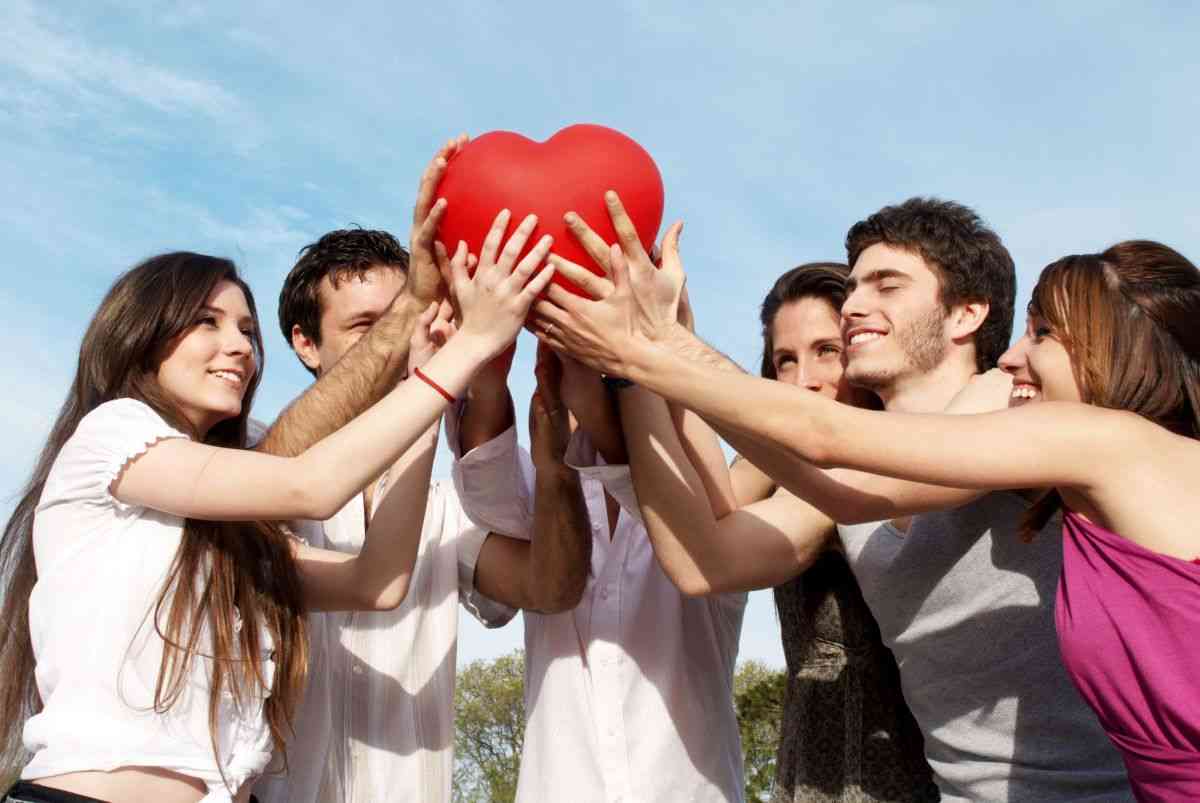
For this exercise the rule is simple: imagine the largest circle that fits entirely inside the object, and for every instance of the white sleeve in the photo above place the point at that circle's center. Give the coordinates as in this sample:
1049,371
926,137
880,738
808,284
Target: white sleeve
495,481
616,479
105,441
468,542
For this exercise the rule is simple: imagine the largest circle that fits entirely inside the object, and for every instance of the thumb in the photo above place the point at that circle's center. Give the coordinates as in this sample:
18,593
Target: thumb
671,263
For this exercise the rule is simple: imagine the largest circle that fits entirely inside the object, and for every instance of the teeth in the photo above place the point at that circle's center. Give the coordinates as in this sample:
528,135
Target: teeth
863,337
1024,392
228,376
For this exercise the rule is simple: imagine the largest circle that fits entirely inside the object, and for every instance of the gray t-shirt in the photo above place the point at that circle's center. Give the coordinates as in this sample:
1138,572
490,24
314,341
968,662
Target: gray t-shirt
968,610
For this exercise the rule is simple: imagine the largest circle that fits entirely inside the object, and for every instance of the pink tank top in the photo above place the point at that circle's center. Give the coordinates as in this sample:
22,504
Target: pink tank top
1129,630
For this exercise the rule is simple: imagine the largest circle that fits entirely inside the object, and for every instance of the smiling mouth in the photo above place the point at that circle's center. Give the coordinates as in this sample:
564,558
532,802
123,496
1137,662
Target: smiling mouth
864,337
1024,391
231,378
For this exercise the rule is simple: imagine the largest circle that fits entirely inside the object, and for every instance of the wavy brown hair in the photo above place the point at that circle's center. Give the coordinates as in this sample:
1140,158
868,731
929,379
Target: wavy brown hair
221,571
1128,319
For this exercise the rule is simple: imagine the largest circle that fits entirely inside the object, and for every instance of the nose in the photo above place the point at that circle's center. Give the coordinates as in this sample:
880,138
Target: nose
806,376
1016,358
853,306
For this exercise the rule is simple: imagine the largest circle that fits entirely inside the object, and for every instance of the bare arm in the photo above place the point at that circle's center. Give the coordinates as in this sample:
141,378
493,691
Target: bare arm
757,546
845,496
376,363
549,573
378,577
201,481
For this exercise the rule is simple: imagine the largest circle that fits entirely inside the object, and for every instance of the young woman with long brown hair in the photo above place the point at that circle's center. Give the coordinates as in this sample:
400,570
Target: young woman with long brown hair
153,631
1114,330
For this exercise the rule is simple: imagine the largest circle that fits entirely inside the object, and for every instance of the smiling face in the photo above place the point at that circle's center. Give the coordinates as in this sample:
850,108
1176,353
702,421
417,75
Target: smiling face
207,368
348,311
1040,366
893,320
806,336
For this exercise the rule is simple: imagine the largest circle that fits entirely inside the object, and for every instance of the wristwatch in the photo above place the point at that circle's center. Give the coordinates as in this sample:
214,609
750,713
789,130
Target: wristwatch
615,382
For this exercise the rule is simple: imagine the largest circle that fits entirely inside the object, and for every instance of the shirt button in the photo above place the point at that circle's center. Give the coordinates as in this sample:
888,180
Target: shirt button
358,670
595,527
604,592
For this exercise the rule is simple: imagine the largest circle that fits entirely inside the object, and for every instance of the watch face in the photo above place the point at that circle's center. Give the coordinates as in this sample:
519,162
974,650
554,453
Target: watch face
616,382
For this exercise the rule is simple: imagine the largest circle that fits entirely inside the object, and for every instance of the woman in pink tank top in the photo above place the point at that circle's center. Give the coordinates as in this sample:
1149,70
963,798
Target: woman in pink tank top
1118,331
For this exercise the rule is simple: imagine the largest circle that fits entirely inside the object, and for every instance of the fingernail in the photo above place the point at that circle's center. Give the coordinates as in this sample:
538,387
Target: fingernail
610,195
570,218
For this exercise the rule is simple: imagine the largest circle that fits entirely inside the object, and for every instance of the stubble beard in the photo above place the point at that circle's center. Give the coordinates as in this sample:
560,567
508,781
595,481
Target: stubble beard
923,346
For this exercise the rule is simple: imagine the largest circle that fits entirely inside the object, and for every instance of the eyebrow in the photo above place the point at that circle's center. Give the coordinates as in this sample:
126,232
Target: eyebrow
245,319
876,276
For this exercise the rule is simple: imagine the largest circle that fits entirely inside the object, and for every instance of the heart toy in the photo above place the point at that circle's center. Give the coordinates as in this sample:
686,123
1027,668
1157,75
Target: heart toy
568,172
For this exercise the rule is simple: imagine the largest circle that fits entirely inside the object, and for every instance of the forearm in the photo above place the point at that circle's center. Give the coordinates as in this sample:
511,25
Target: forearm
600,419
385,563
702,449
378,576
362,377
345,461
561,551
675,506
486,414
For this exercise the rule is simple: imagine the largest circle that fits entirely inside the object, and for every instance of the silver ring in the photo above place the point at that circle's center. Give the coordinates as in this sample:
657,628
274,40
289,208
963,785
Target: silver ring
550,328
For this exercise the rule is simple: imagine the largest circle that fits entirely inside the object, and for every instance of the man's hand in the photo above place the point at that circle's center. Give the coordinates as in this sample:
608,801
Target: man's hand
549,425
640,303
425,282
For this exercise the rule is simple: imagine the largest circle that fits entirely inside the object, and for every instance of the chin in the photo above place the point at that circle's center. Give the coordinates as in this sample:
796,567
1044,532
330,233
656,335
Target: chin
867,379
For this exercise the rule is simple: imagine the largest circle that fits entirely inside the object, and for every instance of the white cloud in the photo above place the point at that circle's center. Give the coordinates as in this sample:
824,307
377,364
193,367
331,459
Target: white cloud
84,77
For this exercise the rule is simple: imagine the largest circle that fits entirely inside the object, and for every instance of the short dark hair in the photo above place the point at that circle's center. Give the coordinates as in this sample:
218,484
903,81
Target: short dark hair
340,255
825,280
969,259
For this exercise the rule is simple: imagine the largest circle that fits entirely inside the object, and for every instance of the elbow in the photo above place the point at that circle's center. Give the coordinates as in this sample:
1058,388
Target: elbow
388,598
692,584
309,497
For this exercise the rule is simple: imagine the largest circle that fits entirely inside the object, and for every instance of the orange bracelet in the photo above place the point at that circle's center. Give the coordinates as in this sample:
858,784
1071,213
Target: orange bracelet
421,375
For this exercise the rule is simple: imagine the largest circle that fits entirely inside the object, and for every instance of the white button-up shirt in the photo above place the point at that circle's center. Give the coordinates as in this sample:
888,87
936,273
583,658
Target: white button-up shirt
377,722
629,697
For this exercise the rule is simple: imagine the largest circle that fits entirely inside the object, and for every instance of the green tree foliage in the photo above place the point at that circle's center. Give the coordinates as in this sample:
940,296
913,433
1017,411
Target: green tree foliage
758,695
489,725
489,728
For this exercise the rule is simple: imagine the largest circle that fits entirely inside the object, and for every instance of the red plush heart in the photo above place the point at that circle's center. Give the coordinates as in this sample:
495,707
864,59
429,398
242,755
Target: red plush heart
568,172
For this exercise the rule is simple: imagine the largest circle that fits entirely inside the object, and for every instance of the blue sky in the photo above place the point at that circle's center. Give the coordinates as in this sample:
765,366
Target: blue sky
248,129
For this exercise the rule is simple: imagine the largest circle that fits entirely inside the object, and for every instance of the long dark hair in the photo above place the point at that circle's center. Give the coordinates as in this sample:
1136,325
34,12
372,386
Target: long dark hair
221,571
824,280
1128,319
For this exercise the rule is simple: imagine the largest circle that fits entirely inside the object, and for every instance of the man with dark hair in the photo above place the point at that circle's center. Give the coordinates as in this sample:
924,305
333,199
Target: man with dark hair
965,605
377,722
372,261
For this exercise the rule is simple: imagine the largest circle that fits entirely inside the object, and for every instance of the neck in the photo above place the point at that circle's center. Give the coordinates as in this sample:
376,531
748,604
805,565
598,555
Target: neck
927,392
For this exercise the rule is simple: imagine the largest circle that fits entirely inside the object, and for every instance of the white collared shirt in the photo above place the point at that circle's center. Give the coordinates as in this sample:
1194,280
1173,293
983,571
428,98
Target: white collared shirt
377,722
629,697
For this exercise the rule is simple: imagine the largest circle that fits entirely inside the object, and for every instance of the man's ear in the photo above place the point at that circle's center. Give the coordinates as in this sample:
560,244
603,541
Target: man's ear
966,318
305,349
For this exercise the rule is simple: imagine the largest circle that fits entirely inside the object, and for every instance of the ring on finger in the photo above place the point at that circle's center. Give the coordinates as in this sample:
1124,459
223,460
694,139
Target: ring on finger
549,328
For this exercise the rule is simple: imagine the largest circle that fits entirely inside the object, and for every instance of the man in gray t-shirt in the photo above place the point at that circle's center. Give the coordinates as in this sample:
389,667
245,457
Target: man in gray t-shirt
967,608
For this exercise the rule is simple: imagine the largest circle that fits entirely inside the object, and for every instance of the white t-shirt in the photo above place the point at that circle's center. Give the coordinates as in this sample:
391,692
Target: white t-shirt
101,566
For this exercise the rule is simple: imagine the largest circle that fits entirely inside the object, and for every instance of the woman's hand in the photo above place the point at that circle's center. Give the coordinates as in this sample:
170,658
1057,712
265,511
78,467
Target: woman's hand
495,301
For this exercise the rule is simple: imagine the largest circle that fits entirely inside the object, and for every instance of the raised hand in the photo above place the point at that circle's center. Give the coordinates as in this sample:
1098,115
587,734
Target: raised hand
433,328
549,423
425,281
641,302
495,302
